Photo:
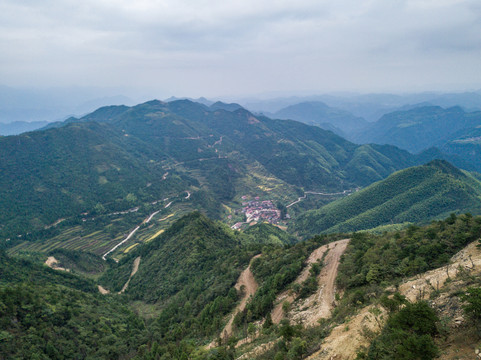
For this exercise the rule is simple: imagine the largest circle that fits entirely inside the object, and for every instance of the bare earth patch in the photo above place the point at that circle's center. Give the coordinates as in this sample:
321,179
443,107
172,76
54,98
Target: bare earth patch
249,284
102,290
346,339
135,268
318,305
51,262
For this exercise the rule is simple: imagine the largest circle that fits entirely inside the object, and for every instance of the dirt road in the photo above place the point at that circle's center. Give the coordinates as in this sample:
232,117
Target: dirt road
246,280
320,304
102,290
135,268
104,256
346,339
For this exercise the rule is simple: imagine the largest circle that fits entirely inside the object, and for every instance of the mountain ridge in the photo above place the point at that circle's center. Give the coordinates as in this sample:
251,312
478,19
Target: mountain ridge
416,194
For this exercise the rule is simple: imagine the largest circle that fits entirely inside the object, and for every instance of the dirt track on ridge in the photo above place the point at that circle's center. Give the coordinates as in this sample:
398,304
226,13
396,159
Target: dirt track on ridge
135,268
326,282
320,304
246,280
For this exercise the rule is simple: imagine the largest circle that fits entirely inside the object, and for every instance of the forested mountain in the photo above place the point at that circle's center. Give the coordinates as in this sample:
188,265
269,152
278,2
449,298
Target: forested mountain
49,314
319,114
119,157
419,128
47,175
416,195
183,293
189,272
465,144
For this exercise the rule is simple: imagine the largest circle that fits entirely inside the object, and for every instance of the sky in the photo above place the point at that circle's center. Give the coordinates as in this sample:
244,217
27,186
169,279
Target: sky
242,47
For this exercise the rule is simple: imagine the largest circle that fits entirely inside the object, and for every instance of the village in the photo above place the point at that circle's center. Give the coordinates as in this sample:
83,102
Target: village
258,211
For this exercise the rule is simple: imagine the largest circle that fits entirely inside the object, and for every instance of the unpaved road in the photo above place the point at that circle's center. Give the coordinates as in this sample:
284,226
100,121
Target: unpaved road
150,217
321,302
420,287
318,193
135,268
343,344
246,280
102,290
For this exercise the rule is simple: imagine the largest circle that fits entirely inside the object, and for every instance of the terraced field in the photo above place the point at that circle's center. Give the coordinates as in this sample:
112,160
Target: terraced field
99,239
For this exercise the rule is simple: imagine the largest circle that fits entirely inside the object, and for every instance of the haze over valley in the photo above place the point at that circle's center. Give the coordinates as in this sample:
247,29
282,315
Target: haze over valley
240,180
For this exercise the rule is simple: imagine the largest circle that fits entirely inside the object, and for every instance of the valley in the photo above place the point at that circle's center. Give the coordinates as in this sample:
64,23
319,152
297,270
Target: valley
229,235
240,180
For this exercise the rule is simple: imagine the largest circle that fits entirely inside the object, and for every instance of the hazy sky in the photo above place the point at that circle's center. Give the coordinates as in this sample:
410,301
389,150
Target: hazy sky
224,47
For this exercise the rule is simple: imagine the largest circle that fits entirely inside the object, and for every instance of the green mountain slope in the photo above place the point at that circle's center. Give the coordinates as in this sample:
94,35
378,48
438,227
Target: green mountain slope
121,157
465,144
188,272
417,194
57,173
16,271
294,152
49,314
269,234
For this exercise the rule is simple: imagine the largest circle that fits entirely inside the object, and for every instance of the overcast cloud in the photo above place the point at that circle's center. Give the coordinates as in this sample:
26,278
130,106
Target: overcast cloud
213,48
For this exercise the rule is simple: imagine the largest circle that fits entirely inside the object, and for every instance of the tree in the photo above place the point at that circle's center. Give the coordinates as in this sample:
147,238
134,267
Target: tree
472,308
408,334
286,330
268,323
251,329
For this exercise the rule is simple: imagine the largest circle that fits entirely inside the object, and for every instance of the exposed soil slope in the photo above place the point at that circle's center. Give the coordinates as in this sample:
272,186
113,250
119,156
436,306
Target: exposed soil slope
323,298
345,340
319,305
248,283
51,262
135,268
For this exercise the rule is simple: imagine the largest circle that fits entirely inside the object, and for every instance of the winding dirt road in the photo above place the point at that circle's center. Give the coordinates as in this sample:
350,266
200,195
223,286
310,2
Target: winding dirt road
323,298
135,268
246,280
104,256
319,305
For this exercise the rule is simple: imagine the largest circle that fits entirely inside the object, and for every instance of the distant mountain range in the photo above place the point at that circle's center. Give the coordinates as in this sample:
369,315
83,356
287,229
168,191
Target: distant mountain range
454,131
419,128
319,114
370,106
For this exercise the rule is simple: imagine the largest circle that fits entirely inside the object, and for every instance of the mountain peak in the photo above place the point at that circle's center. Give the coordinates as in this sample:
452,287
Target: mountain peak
446,167
224,106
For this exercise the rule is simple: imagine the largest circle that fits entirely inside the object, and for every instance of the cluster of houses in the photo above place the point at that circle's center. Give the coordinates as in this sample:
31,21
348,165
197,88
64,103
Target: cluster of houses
257,210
